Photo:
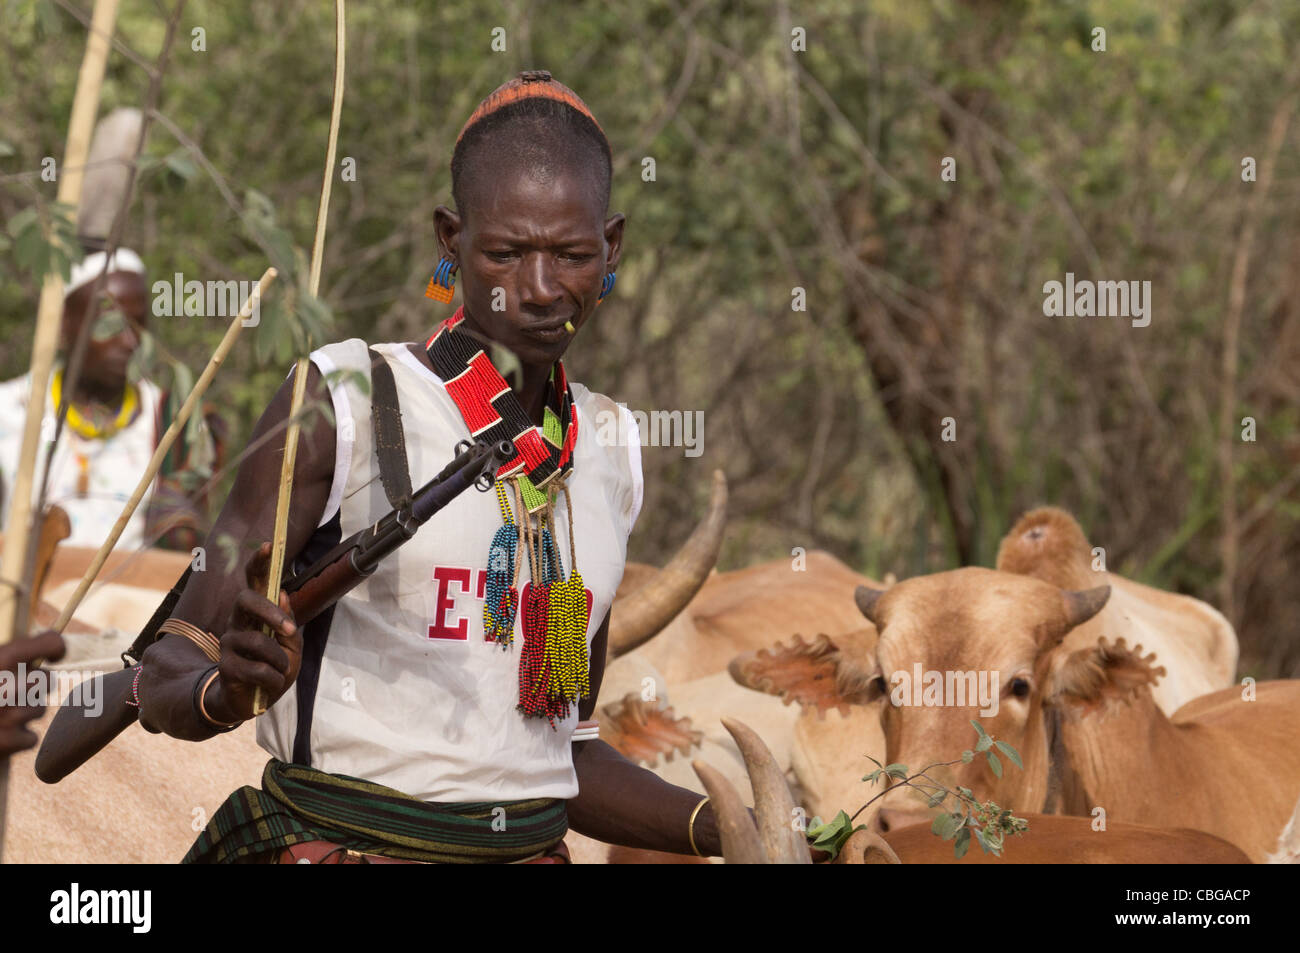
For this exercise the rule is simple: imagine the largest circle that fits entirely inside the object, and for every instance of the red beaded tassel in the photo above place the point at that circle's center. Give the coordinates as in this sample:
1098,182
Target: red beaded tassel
534,667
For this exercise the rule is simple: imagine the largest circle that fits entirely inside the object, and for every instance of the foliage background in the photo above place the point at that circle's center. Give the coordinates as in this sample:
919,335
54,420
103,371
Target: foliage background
817,169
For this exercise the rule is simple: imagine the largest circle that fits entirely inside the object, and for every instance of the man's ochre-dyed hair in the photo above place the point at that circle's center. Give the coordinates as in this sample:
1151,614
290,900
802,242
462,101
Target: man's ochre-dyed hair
548,128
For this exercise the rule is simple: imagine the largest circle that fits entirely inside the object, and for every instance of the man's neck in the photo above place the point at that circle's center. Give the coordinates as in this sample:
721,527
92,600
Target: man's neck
534,379
108,395
532,391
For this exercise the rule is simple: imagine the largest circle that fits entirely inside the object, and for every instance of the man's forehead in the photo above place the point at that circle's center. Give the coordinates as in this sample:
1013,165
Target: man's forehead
524,199
126,289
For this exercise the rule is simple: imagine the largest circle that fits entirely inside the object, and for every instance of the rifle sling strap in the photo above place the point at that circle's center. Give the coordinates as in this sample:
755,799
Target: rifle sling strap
390,441
149,634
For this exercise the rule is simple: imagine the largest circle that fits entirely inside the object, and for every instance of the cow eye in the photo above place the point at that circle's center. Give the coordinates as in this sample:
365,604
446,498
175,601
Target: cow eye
1020,687
879,685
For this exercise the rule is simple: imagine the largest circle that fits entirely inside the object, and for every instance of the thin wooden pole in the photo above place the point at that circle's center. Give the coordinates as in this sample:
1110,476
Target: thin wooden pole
279,539
85,103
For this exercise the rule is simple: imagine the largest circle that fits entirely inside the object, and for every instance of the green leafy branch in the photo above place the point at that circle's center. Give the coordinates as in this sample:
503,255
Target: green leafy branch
44,239
987,822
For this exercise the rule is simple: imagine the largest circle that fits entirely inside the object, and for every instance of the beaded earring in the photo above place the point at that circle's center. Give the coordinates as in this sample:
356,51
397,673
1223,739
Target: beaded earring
443,281
606,286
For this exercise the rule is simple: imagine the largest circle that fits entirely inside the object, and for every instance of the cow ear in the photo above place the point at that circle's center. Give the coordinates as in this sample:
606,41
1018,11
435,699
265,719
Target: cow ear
1106,672
641,731
816,674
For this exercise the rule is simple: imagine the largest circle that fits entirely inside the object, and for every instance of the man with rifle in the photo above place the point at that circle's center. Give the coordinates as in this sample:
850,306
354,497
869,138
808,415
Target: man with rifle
433,712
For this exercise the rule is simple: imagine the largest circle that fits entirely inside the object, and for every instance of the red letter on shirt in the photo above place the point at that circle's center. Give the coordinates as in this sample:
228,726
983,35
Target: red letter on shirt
439,629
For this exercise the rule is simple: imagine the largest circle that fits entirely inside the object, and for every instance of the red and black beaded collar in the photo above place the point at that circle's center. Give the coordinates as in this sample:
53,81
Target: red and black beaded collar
492,411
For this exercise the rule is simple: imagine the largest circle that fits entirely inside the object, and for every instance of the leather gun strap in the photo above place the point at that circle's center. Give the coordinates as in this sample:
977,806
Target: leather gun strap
390,441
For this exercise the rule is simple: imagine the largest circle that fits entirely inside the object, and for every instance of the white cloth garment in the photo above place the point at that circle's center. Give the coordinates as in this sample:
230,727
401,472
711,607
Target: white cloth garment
409,694
114,465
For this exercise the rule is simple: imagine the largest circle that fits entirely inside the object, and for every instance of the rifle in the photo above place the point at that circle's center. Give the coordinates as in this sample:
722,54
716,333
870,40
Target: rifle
71,741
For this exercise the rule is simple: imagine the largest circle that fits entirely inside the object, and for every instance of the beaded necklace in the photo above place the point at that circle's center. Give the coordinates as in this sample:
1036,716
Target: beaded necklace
553,669
88,428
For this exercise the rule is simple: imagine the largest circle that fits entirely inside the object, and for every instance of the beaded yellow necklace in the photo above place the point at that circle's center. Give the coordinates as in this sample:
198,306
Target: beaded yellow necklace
86,428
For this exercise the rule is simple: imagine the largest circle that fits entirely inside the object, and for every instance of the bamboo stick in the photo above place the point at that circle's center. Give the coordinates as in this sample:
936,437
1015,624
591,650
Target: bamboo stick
85,103
279,539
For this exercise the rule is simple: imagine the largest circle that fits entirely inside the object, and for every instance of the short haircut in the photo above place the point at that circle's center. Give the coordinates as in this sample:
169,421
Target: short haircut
541,134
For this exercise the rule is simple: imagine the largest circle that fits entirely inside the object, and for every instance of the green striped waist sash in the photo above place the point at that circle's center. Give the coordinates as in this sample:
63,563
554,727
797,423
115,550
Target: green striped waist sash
297,804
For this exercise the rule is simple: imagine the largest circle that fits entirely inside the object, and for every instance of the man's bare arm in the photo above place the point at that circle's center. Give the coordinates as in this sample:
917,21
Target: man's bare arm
221,599
620,802
14,734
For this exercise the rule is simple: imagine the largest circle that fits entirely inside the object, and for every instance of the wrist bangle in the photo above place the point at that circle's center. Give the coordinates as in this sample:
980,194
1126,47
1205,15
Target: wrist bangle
208,643
200,688
690,827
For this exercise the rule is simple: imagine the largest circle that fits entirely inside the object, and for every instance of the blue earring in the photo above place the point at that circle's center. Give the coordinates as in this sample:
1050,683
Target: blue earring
442,282
606,286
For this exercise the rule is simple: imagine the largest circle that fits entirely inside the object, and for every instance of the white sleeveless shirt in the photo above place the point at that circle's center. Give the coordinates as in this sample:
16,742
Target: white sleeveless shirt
407,693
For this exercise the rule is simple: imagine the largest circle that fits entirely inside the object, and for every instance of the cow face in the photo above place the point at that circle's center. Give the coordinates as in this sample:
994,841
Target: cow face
970,644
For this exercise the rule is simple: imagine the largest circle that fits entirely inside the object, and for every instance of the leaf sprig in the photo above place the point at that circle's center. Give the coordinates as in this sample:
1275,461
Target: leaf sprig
985,822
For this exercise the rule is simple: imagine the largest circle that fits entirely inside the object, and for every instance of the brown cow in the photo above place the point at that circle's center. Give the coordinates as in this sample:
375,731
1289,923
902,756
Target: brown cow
1219,764
1227,763
1195,643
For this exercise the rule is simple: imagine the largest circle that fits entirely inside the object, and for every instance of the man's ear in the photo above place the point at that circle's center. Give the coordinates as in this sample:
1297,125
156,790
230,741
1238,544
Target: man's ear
1092,677
614,239
447,226
817,674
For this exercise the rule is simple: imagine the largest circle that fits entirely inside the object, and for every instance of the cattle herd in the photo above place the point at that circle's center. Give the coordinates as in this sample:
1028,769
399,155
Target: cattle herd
778,685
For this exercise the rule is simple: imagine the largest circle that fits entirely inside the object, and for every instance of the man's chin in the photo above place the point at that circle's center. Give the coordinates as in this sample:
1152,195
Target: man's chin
533,352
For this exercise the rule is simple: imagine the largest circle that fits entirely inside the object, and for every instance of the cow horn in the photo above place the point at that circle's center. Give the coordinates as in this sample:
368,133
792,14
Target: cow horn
773,803
740,843
641,615
866,598
1082,605
866,847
